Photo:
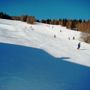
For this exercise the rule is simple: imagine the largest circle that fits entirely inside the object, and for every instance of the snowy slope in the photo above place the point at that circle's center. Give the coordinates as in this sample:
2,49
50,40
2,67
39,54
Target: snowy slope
42,36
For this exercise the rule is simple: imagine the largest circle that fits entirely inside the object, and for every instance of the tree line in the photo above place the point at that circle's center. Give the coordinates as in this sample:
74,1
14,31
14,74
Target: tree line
24,18
79,25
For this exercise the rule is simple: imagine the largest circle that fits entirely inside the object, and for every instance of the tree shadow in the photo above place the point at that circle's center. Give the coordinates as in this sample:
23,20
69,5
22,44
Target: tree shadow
65,58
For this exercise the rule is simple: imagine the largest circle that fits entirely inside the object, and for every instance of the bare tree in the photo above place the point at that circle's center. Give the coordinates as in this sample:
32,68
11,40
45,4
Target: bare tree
85,36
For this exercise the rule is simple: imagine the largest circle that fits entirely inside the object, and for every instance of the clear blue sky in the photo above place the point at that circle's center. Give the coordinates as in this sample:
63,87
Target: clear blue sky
43,9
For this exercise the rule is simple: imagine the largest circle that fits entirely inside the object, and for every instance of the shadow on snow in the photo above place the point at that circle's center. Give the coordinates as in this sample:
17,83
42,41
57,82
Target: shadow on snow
25,68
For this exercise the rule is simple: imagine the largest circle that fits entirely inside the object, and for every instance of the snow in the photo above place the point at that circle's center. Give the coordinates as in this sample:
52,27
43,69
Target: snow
27,68
41,36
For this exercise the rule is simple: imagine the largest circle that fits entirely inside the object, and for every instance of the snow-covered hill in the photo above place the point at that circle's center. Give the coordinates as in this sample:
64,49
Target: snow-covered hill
42,36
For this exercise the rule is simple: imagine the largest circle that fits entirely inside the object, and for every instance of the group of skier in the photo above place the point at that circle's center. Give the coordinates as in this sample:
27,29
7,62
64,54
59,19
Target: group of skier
78,45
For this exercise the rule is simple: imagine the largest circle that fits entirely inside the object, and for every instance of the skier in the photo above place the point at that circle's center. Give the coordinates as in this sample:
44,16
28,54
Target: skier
73,38
79,45
60,31
68,38
54,36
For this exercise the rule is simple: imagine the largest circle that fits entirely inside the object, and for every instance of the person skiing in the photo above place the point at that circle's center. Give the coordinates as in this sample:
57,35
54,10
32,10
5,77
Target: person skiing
54,36
73,38
60,31
68,38
79,45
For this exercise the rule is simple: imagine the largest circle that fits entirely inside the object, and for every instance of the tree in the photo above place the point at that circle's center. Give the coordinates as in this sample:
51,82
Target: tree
43,21
30,19
37,20
85,37
64,22
23,18
4,16
48,21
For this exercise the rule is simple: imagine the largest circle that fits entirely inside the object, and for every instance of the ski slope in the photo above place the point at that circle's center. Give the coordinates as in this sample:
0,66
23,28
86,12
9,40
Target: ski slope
41,36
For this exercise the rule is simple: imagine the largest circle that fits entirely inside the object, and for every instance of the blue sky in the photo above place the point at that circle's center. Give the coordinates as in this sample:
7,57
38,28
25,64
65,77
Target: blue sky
43,9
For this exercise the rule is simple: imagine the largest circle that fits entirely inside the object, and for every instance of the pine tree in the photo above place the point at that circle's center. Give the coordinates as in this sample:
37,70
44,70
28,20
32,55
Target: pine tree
4,16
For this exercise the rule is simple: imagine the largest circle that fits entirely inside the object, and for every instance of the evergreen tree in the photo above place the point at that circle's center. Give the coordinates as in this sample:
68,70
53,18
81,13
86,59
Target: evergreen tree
43,21
48,21
4,16
37,20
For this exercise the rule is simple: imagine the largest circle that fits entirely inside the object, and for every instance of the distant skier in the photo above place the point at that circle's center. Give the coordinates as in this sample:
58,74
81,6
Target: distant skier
79,45
52,27
54,36
60,31
68,38
73,38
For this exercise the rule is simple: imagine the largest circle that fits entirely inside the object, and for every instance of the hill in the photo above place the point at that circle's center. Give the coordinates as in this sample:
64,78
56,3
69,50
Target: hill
42,57
41,36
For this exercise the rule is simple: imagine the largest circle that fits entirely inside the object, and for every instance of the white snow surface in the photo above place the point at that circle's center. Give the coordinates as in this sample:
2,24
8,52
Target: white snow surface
41,36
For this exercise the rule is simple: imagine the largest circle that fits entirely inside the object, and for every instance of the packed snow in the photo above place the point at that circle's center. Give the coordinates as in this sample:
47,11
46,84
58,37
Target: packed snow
41,36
